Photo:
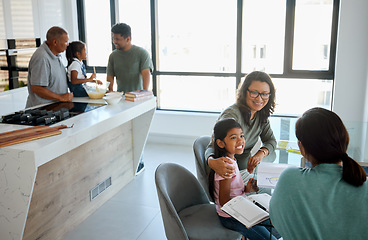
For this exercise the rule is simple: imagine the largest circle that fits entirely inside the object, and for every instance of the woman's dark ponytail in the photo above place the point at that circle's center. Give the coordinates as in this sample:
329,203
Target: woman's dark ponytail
352,172
324,136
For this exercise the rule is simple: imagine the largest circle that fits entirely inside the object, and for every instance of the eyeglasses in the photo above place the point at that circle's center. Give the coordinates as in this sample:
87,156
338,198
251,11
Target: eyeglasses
254,94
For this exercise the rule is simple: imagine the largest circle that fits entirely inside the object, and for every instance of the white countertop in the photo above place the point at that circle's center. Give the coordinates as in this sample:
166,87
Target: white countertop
19,162
86,126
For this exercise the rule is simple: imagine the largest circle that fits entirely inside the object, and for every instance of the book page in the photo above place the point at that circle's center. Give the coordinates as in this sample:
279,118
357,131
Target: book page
262,198
245,211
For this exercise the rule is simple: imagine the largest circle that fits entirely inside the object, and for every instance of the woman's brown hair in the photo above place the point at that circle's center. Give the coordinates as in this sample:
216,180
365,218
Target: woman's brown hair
324,136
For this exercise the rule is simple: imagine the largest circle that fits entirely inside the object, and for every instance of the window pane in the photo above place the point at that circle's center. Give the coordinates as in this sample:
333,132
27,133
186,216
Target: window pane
295,96
136,13
312,34
263,35
195,93
22,19
4,80
98,31
197,36
3,44
51,13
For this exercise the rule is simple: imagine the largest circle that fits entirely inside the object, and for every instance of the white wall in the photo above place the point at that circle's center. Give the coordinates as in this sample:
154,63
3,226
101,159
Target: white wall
350,92
172,127
351,75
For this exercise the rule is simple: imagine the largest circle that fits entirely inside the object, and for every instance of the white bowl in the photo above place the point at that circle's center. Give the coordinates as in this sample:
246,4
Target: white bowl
114,94
111,100
94,90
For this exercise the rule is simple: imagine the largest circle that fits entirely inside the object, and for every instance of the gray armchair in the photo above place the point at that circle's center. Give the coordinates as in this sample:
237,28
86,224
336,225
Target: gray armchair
185,208
202,169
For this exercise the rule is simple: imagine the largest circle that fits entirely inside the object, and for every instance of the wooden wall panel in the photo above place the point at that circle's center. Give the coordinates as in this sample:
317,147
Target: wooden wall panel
61,198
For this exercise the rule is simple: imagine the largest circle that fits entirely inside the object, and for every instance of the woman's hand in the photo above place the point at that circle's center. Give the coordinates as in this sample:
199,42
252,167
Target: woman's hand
248,186
222,166
255,160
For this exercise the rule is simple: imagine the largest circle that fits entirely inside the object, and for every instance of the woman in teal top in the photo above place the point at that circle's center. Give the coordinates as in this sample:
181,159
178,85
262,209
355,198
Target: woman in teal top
330,200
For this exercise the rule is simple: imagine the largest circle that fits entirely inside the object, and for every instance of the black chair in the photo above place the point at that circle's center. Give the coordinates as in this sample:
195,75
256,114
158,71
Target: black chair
185,208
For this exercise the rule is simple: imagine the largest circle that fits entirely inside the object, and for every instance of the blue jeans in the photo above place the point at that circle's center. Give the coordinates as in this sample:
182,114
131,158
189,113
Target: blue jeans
254,233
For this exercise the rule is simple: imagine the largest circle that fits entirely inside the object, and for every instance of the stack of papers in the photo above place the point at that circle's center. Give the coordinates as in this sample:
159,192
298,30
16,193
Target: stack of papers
268,173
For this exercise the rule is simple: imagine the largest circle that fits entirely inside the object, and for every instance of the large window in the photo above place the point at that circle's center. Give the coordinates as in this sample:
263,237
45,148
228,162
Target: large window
97,28
196,36
312,35
137,14
202,49
263,35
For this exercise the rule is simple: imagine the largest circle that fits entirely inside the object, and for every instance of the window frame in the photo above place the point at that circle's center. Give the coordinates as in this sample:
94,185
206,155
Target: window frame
288,72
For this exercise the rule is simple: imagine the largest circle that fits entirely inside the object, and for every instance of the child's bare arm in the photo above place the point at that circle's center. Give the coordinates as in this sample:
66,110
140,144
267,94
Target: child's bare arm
224,191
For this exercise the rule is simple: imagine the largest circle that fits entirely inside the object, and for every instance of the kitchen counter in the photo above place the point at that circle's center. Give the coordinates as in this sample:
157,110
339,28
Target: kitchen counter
111,136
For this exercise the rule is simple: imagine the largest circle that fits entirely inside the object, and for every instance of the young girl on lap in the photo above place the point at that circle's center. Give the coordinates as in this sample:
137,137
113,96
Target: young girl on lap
228,141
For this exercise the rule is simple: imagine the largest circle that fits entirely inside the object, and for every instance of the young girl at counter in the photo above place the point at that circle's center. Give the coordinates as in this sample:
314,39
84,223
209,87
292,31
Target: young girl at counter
228,141
75,53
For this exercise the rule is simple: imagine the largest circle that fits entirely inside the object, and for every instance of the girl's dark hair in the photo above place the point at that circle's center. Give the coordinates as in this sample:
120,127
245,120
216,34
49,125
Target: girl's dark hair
220,131
73,49
241,100
325,137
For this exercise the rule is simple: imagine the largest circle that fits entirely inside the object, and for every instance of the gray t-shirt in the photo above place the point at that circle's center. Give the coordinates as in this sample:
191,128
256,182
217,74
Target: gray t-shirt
47,70
127,67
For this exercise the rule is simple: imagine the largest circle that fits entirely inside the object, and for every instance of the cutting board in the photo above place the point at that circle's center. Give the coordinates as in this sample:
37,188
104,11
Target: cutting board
28,134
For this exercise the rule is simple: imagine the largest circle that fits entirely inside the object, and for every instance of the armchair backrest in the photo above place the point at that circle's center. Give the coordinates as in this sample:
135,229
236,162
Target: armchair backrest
199,148
177,189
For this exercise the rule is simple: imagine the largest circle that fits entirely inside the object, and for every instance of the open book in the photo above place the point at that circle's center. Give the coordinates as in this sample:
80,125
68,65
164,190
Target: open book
249,210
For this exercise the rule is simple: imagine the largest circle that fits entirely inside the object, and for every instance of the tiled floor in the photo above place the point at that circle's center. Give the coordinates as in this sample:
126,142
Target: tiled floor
134,212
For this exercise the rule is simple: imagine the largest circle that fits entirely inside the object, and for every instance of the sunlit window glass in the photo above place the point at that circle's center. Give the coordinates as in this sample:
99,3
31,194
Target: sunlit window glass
263,35
3,44
4,79
98,31
196,93
136,13
295,96
22,19
197,36
312,34
52,11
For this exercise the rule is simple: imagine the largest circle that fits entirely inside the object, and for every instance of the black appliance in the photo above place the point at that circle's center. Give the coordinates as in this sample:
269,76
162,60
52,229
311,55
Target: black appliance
49,114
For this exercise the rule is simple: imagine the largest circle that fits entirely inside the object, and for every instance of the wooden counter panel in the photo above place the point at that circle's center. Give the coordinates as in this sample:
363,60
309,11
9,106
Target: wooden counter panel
61,197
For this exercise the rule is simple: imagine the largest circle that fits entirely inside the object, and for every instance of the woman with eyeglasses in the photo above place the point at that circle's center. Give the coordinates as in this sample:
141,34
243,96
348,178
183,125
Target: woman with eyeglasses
255,103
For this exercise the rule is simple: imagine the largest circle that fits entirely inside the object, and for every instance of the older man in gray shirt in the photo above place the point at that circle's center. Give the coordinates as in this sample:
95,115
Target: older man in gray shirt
47,79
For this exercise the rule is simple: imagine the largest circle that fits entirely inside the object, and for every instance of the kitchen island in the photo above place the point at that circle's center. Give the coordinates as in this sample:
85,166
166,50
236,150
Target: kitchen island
46,184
